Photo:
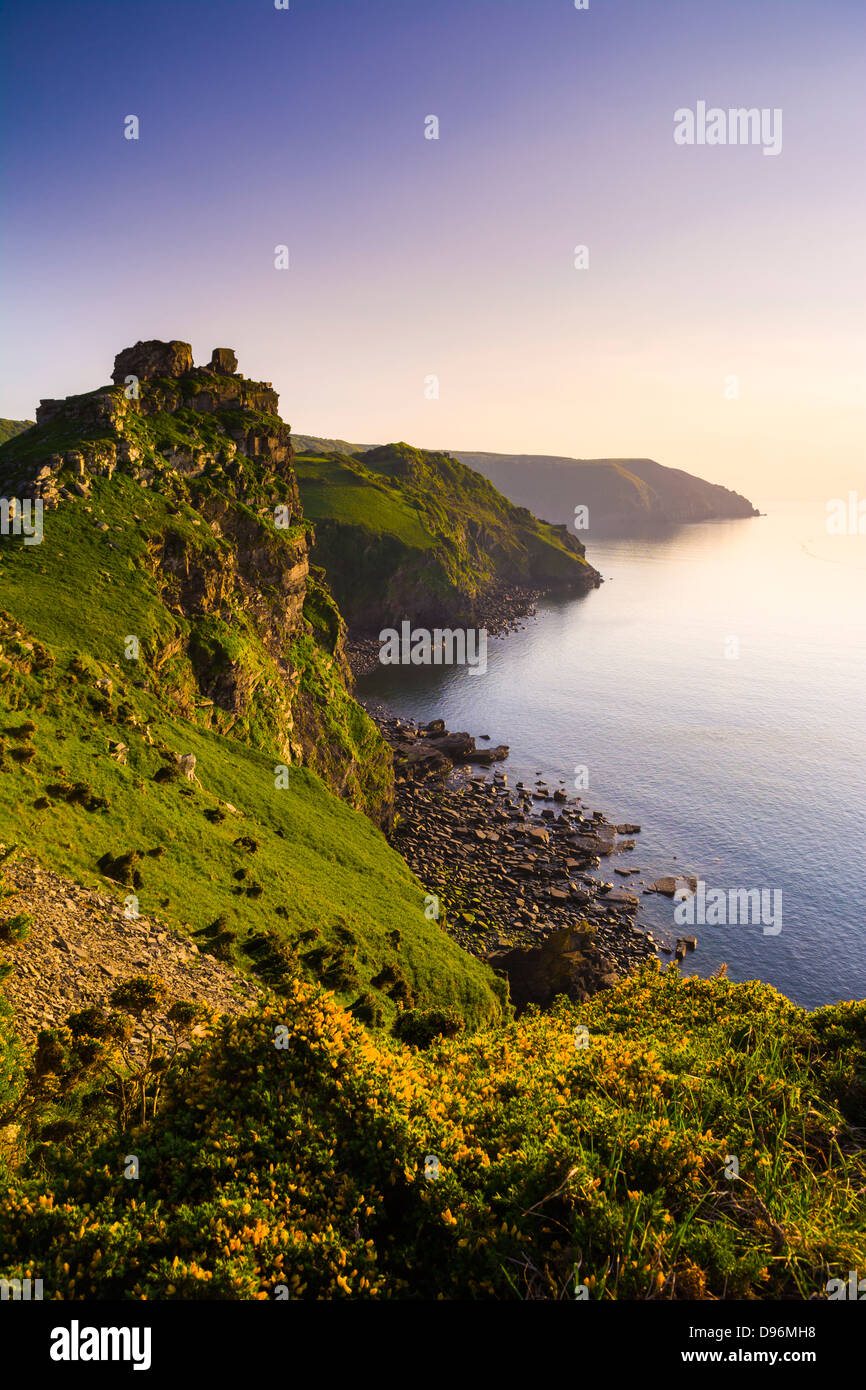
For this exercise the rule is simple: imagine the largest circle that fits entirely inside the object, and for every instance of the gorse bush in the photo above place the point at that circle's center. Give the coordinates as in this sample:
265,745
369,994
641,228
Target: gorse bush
421,1027
119,1058
15,928
291,1154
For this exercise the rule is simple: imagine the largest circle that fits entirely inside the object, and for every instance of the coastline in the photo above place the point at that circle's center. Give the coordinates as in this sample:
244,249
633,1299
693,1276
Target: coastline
505,608
510,871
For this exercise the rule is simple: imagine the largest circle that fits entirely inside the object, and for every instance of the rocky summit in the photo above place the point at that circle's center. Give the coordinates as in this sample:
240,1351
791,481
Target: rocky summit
151,359
252,639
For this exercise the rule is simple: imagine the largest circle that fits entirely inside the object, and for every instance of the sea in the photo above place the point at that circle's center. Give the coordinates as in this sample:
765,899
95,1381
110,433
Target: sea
711,691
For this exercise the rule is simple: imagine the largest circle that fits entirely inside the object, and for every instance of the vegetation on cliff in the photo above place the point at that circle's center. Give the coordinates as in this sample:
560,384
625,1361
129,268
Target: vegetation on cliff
407,533
174,685
622,495
9,428
584,1152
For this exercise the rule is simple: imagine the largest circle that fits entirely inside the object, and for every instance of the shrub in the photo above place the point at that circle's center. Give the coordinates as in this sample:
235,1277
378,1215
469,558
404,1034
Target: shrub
557,1164
367,1009
122,868
169,773
16,928
392,981
420,1027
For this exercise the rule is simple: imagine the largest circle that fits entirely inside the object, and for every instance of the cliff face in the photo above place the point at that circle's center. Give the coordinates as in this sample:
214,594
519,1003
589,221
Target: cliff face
412,533
238,634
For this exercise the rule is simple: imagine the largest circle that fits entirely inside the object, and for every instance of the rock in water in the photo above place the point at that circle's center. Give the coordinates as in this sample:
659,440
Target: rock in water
670,885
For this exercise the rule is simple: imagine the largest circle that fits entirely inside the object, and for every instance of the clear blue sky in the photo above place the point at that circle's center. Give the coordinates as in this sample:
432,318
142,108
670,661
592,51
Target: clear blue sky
453,258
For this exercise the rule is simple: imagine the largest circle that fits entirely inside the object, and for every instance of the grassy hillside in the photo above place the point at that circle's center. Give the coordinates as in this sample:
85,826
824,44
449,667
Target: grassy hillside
314,444
10,428
509,1163
404,532
165,613
622,494
293,861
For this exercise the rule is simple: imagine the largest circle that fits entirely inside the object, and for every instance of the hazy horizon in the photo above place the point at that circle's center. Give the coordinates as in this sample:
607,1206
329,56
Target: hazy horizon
412,258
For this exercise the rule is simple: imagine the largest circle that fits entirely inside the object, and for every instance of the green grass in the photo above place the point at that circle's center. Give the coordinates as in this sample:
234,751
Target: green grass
323,865
341,490
240,662
10,428
407,532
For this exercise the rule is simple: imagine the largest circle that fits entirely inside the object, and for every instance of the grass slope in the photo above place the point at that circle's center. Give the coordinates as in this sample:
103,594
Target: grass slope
10,428
239,663
321,876
404,532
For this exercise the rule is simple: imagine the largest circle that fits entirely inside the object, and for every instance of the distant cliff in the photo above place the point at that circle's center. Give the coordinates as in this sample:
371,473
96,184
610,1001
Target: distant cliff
621,495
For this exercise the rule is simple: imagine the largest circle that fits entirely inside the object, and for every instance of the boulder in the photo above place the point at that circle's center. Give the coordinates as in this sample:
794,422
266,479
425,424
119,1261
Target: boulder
485,756
223,360
562,964
153,358
670,885
621,898
536,835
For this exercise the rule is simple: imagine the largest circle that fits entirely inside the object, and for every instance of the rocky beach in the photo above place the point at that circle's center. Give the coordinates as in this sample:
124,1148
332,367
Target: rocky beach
505,608
514,873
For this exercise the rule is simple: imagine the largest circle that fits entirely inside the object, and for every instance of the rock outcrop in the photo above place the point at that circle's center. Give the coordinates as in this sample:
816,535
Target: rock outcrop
261,646
564,963
151,359
433,751
223,361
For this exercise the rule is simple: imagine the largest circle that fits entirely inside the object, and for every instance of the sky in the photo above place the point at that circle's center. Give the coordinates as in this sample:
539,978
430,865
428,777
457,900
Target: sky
719,323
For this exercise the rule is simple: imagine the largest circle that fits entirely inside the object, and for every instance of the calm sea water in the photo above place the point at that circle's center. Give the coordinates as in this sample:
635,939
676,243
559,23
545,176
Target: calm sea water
714,689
